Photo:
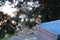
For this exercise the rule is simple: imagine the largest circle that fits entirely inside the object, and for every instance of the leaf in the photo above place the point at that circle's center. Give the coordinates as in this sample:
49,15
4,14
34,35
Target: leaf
7,36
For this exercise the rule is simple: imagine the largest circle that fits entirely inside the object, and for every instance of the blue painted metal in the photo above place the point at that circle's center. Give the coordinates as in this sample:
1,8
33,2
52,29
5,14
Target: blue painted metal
53,26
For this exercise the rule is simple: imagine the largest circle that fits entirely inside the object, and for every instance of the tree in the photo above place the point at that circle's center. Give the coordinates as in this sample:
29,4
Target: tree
24,16
6,26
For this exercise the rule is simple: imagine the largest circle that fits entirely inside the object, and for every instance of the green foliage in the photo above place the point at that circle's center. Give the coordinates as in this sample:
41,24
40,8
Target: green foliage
6,28
7,36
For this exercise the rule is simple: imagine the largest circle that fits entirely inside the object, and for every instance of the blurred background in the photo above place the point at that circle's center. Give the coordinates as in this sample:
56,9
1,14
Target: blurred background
18,14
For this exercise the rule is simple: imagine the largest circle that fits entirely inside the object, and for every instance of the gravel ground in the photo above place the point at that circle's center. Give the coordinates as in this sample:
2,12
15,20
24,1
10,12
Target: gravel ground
24,37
